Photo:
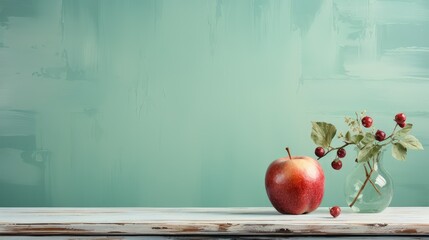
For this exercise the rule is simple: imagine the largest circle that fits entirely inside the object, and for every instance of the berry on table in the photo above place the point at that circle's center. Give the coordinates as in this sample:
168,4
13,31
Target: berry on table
402,125
341,152
380,135
335,211
319,151
400,118
337,164
367,121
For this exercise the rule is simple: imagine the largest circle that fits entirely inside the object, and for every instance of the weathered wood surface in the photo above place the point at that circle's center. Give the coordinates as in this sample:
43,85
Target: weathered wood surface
208,221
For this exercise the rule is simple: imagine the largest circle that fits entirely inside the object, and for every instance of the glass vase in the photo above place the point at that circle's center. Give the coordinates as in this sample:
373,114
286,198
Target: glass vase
369,187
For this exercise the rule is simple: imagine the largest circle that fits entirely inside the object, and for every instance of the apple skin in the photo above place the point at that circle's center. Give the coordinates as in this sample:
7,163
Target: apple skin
295,185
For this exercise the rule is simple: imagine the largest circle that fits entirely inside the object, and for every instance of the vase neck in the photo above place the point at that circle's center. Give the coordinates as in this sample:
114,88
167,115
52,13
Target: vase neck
375,160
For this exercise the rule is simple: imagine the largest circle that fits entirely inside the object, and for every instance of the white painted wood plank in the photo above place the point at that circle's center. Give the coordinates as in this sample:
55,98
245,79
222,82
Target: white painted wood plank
208,221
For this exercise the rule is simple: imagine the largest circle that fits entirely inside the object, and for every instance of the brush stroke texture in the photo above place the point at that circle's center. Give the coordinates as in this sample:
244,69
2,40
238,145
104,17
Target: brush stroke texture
185,103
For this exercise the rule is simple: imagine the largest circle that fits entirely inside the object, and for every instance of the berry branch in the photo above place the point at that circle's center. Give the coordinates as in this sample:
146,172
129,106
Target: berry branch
332,149
368,143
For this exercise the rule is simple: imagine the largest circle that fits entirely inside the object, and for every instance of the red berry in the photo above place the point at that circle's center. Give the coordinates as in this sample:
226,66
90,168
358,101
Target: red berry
380,135
400,118
337,164
335,211
341,152
402,125
319,151
367,122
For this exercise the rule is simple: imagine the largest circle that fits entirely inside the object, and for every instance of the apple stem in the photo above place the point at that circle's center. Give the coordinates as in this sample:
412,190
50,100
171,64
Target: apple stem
288,152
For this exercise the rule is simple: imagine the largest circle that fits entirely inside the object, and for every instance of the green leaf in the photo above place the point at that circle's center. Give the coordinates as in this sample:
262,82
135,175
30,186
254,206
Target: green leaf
399,152
348,137
322,133
356,138
368,139
369,151
411,142
404,131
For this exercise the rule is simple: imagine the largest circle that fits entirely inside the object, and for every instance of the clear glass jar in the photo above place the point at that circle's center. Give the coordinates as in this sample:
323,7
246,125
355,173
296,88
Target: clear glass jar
369,187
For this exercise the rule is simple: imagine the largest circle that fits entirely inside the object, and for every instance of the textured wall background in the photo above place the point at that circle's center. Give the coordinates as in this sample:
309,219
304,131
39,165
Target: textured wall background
186,102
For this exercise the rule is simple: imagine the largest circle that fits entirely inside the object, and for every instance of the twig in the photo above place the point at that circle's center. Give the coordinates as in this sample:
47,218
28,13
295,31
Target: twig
370,168
332,149
372,183
361,188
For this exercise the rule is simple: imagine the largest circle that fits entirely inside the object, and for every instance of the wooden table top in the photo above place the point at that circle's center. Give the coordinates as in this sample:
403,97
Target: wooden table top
209,221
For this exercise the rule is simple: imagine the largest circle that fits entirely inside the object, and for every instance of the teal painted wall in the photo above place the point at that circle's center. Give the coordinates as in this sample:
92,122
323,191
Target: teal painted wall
186,102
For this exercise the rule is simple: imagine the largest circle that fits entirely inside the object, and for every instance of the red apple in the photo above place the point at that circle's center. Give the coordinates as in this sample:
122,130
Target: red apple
295,184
